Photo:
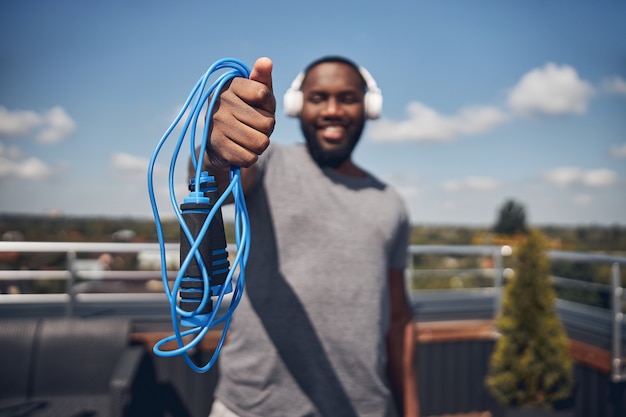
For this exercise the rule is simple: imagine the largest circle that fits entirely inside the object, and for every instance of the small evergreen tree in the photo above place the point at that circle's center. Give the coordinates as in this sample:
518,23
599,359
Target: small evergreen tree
511,219
530,365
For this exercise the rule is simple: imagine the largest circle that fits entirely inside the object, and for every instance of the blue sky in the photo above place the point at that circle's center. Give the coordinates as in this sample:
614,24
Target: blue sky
483,100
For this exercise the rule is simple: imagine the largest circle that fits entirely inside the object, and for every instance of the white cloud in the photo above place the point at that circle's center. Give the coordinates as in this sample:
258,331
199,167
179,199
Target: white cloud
619,151
14,165
34,169
408,191
29,169
129,164
614,85
56,126
408,185
563,176
599,178
52,126
472,183
426,124
18,123
551,90
133,172
567,176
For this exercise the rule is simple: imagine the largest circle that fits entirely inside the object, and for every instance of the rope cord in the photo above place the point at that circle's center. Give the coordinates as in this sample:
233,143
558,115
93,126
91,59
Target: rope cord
198,319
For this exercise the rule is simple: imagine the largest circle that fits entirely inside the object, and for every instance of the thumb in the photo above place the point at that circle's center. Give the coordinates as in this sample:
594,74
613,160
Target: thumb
262,72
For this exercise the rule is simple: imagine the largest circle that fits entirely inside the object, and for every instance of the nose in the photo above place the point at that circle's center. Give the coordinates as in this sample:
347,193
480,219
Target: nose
333,107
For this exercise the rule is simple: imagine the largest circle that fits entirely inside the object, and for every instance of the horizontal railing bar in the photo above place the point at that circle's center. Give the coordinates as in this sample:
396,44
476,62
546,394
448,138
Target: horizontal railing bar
85,247
569,282
48,275
34,298
124,275
454,249
91,247
585,257
448,271
30,275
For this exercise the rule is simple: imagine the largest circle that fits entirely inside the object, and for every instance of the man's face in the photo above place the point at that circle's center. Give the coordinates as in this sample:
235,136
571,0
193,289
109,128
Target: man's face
332,116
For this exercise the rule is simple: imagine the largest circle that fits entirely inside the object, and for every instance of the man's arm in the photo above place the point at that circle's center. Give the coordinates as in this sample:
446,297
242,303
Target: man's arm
241,125
401,345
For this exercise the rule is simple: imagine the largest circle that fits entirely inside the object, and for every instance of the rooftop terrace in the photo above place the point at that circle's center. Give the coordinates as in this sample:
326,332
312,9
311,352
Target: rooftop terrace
455,292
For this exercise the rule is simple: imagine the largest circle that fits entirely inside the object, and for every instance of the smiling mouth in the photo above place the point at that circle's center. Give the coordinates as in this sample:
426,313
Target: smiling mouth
333,133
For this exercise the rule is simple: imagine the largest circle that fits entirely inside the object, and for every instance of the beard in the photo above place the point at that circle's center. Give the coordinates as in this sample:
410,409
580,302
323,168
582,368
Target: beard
332,158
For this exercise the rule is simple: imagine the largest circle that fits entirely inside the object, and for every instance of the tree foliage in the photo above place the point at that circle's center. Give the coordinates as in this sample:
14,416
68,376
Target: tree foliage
530,366
511,219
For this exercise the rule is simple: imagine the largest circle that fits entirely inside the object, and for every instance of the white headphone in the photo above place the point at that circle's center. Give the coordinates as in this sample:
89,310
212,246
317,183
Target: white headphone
373,100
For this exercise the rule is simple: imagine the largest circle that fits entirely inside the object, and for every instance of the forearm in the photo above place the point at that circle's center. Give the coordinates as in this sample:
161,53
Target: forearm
402,348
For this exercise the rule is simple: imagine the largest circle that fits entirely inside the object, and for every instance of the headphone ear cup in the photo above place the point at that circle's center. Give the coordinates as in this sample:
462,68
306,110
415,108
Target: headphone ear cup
293,98
292,101
373,102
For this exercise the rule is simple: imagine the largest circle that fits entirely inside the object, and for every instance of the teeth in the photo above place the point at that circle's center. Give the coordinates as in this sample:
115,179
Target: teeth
333,132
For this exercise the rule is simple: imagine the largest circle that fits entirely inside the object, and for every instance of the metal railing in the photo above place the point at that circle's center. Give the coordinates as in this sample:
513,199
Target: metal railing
497,254
618,363
77,280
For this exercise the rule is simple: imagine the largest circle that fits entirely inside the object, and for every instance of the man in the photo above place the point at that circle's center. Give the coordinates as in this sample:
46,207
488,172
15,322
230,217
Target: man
324,328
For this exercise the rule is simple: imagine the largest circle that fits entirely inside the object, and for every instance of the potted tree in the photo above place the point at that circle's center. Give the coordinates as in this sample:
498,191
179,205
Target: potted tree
530,369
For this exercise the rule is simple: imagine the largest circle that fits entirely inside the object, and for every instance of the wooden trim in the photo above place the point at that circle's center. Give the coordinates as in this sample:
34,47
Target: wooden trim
427,332
458,330
591,356
149,339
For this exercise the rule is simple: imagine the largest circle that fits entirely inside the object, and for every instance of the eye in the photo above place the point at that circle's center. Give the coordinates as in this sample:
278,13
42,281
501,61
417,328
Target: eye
350,98
316,98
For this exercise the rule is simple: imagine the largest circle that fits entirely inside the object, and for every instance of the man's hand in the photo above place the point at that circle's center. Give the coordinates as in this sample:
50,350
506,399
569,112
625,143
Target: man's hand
243,119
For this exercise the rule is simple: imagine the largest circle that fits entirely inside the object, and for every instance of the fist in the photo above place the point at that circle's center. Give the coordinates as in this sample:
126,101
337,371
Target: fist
243,118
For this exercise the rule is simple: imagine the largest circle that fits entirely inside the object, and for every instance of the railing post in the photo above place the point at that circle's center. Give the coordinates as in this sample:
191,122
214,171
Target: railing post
498,271
69,285
498,278
618,365
408,278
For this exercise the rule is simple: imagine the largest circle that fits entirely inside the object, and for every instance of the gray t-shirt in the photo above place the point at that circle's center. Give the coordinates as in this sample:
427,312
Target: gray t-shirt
308,338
